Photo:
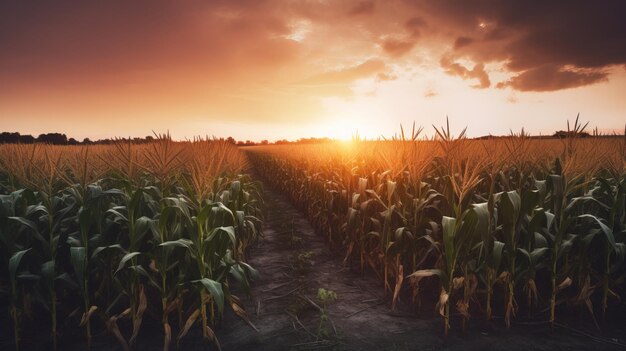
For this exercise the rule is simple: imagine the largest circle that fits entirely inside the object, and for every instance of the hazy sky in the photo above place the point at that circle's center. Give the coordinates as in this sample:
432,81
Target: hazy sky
273,69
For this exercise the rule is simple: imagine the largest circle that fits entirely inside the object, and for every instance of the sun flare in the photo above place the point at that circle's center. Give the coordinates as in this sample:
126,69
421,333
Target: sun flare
340,128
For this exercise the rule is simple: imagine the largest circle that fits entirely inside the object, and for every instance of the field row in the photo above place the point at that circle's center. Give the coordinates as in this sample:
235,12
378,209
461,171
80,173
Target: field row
510,226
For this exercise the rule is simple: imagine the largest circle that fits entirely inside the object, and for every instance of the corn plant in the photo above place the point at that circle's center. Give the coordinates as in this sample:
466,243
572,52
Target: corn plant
392,202
115,225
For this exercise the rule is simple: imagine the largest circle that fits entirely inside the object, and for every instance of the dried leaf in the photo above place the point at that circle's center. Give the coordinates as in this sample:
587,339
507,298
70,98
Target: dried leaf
138,317
564,284
396,290
443,300
167,338
86,316
463,308
188,324
112,326
209,334
457,282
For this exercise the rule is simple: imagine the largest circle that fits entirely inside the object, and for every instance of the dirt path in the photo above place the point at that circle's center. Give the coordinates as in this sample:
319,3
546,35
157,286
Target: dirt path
294,263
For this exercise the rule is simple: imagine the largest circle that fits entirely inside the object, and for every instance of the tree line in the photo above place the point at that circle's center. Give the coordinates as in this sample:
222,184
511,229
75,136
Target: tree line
62,139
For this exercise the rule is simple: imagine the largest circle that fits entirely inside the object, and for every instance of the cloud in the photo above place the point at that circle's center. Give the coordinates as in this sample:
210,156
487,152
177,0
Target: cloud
534,36
160,58
430,93
362,8
349,74
462,41
512,99
478,72
397,47
386,76
73,43
414,25
552,77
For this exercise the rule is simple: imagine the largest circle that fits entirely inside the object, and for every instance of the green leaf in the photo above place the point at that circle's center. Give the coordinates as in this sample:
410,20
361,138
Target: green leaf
481,211
31,225
79,262
67,280
125,259
103,249
184,243
230,231
48,271
15,262
608,234
117,214
498,249
448,225
215,289
511,204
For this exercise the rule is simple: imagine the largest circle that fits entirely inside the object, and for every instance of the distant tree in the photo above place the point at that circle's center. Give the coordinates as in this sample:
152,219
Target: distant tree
87,141
264,142
240,143
52,138
231,140
13,138
27,139
72,141
313,140
9,138
569,134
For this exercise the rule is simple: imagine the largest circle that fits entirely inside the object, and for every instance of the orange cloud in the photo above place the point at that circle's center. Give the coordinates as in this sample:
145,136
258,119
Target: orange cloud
397,47
456,69
362,8
349,74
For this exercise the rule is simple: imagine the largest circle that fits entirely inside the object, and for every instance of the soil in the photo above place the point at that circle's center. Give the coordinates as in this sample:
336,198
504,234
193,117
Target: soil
294,262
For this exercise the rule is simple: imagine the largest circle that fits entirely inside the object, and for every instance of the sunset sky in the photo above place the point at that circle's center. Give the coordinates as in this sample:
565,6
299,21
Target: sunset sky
272,69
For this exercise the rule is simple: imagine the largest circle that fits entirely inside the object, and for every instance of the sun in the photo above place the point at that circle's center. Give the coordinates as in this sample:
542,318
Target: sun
342,128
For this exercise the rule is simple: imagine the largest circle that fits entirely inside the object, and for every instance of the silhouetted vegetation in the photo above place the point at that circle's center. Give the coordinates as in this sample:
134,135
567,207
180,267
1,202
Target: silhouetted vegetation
62,139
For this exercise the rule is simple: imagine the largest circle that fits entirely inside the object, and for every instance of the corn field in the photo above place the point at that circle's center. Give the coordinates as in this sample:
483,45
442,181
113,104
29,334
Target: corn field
507,228
116,232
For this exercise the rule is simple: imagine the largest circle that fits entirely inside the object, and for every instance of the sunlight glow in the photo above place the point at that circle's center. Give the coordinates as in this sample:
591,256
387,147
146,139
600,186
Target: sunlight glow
341,128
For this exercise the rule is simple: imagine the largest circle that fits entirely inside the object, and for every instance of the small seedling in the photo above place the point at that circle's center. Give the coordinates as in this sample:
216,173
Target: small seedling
326,298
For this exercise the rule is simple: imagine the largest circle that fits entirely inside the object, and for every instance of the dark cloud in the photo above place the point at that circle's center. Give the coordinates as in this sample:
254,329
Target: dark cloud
397,47
414,25
528,36
362,8
456,69
462,41
552,77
